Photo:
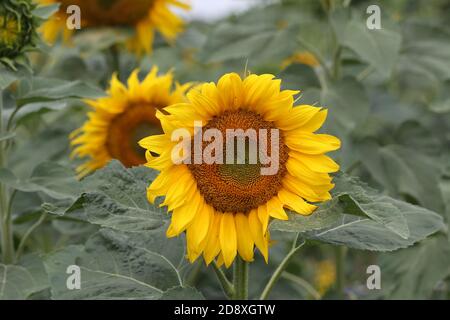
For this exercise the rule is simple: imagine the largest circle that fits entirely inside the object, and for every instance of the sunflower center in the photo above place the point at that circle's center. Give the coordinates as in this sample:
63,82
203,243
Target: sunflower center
240,186
111,12
125,131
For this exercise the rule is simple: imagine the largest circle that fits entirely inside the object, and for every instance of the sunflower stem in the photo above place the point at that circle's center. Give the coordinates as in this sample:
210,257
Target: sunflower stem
115,55
279,270
227,286
240,279
5,214
27,235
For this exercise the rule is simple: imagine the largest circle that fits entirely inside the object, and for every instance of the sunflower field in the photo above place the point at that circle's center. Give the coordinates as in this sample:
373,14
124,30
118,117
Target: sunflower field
120,177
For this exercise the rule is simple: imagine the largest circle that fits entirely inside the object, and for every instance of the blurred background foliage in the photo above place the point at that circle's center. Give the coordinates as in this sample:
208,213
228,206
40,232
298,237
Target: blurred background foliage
388,95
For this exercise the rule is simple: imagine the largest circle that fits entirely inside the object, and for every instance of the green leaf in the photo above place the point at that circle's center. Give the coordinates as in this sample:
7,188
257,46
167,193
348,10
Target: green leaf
116,198
7,136
359,217
358,199
367,234
404,172
326,215
125,186
8,76
45,12
50,178
229,42
44,90
19,282
117,266
182,293
379,48
106,212
348,104
413,273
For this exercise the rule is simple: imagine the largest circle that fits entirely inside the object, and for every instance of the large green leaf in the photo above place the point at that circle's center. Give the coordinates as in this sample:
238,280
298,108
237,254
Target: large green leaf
39,89
359,217
8,76
413,273
379,48
19,282
352,197
367,234
116,198
326,215
119,266
50,178
348,105
404,172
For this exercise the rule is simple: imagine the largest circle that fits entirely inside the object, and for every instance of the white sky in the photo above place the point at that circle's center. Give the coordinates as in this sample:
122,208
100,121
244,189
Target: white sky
216,9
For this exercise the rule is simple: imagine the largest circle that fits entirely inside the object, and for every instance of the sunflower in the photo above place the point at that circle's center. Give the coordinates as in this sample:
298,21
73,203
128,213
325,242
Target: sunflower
325,276
225,208
145,16
17,29
119,120
302,57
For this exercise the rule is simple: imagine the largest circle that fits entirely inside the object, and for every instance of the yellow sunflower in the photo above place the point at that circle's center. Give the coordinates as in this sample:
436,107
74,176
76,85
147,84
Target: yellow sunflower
225,208
325,276
302,57
145,16
118,121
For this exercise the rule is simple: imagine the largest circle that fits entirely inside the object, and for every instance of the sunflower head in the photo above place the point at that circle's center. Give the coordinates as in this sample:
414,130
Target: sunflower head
118,121
237,154
325,276
17,28
144,16
302,57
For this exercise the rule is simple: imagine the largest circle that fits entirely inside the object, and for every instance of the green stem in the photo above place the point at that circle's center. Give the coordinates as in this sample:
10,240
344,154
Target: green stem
337,63
316,53
227,286
341,252
28,234
5,214
240,279
302,283
115,54
281,267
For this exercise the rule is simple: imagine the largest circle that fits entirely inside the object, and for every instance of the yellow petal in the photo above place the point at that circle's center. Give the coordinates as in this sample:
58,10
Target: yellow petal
230,90
298,117
316,122
228,240
199,228
183,216
275,209
263,216
310,143
212,247
256,230
295,203
244,237
318,163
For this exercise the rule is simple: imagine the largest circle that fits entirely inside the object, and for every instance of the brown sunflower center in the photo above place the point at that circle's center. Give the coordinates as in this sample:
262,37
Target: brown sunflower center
125,131
111,12
240,186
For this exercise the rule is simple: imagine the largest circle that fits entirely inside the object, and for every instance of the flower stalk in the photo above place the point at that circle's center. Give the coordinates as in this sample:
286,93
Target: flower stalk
240,279
341,253
281,267
5,213
227,286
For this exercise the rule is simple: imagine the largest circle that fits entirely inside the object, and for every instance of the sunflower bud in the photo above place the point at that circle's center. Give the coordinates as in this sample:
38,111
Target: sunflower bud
17,28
